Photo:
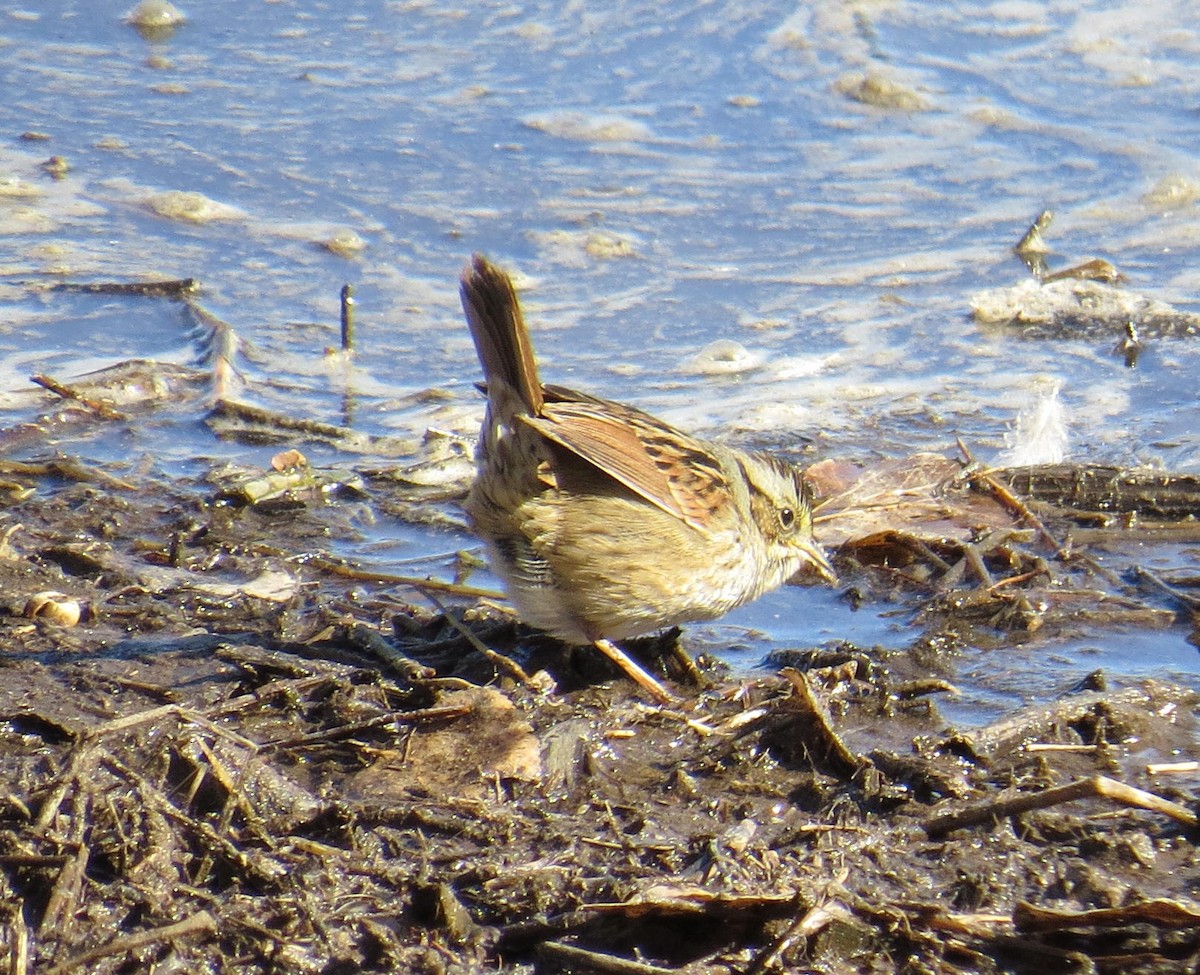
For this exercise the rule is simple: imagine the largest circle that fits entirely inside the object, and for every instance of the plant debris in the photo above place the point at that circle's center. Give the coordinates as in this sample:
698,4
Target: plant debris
224,748
240,759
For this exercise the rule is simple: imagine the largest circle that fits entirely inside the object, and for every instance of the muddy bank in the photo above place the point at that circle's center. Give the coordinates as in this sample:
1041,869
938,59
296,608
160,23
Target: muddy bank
244,757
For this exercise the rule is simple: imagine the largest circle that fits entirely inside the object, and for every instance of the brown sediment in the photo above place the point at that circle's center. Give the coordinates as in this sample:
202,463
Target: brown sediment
243,757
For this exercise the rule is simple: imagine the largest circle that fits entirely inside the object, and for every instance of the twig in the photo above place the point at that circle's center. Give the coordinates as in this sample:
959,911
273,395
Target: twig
67,468
388,578
813,921
371,641
347,318
168,710
74,470
823,743
151,289
233,782
1098,786
1015,580
247,413
1014,504
202,922
498,659
1032,239
1190,602
1171,768
416,716
68,885
925,552
337,568
18,959
213,844
220,350
578,959
1160,913
82,764
975,560
623,840
977,925
687,663
69,392
1053,746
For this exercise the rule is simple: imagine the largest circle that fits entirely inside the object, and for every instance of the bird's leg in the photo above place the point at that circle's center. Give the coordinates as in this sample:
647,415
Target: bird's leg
635,672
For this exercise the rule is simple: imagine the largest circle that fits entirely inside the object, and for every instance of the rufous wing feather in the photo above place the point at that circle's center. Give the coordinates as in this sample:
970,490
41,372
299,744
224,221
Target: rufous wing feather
667,468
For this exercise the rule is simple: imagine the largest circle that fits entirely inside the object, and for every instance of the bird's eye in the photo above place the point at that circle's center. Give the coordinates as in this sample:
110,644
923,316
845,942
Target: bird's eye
787,517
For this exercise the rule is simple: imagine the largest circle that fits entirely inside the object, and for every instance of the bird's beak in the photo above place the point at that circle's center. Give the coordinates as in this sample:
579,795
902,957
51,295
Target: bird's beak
818,561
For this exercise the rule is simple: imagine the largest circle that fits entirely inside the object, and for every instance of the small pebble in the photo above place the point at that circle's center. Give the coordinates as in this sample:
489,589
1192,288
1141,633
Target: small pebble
56,166
723,357
344,243
191,207
155,15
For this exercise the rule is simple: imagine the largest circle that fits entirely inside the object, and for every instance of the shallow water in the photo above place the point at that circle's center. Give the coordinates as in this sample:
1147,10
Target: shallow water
662,178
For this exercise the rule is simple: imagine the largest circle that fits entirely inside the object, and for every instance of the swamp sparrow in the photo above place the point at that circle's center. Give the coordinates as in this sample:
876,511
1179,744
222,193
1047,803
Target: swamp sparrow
604,522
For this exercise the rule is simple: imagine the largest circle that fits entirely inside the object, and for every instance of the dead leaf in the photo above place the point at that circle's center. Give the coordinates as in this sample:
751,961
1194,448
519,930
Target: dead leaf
459,757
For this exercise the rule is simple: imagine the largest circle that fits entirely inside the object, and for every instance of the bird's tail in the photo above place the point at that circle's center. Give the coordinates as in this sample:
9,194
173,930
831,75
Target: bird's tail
501,338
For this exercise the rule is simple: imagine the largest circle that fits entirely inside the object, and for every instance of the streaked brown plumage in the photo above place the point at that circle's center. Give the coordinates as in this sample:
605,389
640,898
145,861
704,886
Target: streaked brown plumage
604,522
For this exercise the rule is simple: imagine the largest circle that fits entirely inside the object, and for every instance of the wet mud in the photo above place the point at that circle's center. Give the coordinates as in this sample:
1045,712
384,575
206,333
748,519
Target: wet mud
224,750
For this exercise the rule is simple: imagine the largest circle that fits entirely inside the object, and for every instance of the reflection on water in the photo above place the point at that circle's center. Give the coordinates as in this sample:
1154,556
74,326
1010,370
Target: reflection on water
821,187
